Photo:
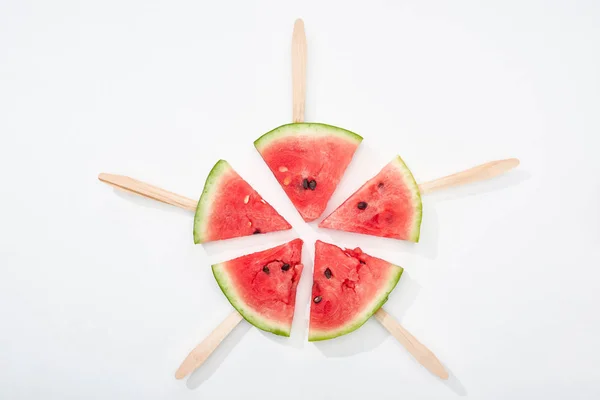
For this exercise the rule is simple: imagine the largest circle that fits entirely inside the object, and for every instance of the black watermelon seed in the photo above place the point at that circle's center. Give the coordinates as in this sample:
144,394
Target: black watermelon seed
285,267
361,261
256,232
328,273
266,270
380,185
362,205
305,183
317,299
312,184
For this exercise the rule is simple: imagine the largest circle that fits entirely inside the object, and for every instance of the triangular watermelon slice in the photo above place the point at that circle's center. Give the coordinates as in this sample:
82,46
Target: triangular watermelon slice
262,286
308,160
229,207
349,286
388,205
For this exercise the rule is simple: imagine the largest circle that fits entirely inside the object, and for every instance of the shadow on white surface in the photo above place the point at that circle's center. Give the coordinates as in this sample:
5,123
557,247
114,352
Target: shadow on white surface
223,250
213,362
150,203
430,230
508,180
371,334
454,384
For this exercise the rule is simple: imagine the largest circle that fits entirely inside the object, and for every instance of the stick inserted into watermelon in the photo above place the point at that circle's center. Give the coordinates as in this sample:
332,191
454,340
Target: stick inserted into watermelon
228,207
350,286
389,204
307,159
478,173
262,288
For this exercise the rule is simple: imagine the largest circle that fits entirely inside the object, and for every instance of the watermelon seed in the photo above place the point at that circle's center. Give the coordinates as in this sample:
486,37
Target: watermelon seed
285,267
256,232
266,270
362,205
283,169
246,199
312,184
263,201
317,299
305,183
328,273
362,262
380,185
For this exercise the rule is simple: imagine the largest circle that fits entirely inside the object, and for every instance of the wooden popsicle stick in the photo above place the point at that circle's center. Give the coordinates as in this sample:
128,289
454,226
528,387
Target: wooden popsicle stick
131,185
481,172
423,355
200,353
298,71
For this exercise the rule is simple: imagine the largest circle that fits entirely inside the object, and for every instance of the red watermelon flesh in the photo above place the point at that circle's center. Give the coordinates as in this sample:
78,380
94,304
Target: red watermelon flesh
229,207
262,285
388,205
308,160
349,286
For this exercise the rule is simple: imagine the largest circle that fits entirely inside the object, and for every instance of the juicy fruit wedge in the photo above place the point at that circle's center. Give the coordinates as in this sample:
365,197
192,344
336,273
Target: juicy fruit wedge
229,207
262,286
349,286
308,160
388,205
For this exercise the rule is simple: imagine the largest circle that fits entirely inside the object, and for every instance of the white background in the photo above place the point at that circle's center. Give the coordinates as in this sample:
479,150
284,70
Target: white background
103,294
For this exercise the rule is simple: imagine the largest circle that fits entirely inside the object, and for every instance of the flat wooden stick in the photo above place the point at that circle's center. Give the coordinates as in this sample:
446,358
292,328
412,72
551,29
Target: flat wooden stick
479,173
423,355
298,71
200,354
131,185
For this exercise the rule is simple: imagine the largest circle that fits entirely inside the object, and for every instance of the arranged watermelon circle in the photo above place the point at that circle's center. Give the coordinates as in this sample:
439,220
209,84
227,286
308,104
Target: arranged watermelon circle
308,160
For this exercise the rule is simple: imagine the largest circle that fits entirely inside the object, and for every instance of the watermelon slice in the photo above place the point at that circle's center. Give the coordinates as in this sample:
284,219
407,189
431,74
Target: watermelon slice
349,286
388,205
308,160
262,286
229,207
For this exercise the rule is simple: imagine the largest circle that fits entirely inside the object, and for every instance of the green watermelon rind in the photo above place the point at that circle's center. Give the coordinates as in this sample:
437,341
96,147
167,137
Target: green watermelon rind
252,317
206,199
411,183
310,128
359,321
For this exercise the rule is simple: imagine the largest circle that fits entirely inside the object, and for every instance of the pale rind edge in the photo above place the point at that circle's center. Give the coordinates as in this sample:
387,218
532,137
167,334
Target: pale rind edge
206,199
305,128
224,282
417,204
